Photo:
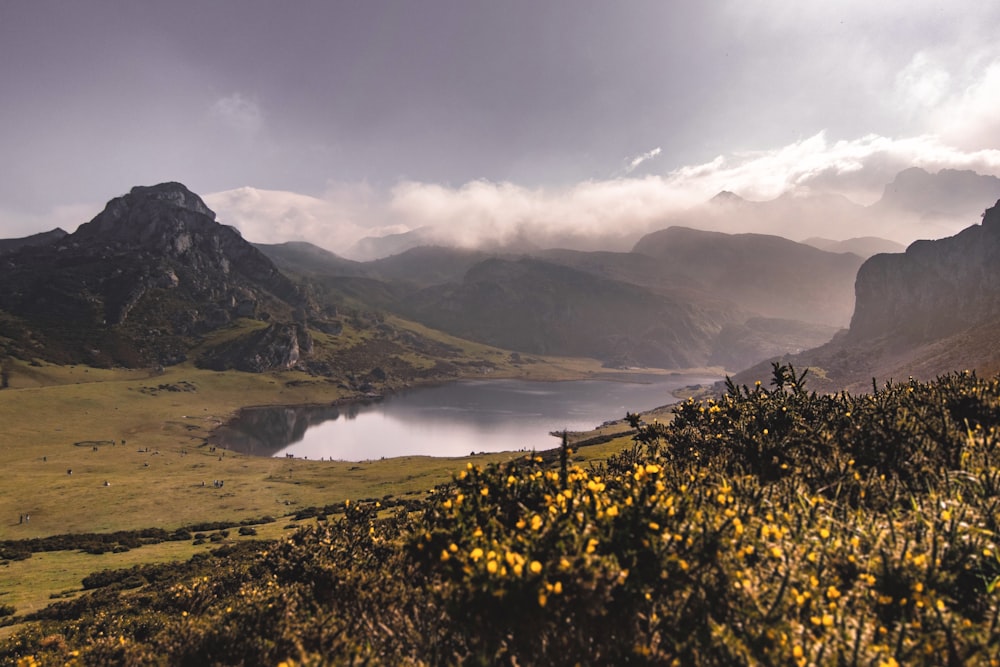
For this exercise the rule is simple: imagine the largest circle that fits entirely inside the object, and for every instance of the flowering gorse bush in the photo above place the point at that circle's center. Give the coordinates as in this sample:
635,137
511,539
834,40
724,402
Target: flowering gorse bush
764,526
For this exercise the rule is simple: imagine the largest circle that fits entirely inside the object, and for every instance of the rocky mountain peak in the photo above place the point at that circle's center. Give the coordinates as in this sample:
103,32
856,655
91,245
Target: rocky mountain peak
172,193
159,216
153,272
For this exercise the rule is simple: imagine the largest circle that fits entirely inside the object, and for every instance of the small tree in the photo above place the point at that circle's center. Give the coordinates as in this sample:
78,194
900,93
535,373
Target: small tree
6,367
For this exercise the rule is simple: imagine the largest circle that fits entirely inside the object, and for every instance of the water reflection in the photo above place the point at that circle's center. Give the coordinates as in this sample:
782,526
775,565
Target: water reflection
448,420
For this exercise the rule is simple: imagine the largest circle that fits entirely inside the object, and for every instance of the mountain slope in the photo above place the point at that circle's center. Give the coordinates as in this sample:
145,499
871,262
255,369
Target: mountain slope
862,246
535,306
928,311
141,281
768,275
43,238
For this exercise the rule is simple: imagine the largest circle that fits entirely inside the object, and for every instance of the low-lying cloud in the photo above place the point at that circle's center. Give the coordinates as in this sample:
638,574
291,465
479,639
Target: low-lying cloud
610,213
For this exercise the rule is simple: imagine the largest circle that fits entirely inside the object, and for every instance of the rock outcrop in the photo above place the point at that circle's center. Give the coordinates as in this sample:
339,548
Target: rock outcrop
139,283
931,310
276,347
934,289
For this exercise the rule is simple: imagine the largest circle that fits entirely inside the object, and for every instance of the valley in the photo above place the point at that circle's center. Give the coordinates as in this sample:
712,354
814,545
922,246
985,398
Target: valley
128,343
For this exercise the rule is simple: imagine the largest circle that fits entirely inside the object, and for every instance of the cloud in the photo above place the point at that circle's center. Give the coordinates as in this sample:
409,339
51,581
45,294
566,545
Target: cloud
238,113
639,159
335,221
609,213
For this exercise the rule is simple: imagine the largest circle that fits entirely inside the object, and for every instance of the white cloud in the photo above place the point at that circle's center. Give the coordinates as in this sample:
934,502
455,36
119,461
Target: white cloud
922,84
639,159
239,113
335,221
609,213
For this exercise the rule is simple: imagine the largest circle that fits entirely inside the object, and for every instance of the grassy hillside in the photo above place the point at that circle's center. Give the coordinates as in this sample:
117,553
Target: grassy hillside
770,526
146,433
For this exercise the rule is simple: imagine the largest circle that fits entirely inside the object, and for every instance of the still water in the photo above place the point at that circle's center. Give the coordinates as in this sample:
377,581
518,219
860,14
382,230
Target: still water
448,420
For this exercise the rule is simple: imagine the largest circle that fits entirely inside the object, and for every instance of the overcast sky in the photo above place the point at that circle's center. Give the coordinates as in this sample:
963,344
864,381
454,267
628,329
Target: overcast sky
330,119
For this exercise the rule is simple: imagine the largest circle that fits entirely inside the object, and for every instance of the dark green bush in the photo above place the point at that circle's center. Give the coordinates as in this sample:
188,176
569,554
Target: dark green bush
765,526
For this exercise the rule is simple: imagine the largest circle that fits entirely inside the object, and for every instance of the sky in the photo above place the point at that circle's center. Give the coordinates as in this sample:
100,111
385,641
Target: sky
331,120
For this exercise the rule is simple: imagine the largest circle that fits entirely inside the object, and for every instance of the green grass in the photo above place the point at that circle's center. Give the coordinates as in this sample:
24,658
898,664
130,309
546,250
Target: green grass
765,526
33,583
55,416
52,415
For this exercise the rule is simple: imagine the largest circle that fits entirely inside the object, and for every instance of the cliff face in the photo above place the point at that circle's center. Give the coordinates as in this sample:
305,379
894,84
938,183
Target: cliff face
933,290
931,310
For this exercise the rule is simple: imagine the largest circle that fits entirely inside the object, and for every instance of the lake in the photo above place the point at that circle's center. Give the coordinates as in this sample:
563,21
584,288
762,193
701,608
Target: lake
452,419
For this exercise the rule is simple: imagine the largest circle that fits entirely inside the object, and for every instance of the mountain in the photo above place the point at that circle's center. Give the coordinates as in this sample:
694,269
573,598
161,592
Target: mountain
863,246
302,257
539,307
44,238
948,193
426,265
767,275
139,284
934,289
375,247
930,310
625,308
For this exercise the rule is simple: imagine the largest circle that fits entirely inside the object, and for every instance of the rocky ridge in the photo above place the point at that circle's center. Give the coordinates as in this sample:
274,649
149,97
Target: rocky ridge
139,283
928,311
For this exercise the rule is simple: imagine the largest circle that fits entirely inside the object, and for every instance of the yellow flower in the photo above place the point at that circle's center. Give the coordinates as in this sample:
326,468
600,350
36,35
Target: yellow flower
491,567
536,522
824,533
484,491
612,511
542,599
535,567
476,554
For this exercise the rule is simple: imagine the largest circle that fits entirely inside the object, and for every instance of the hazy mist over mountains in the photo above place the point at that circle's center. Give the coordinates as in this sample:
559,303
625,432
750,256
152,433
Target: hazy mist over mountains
915,204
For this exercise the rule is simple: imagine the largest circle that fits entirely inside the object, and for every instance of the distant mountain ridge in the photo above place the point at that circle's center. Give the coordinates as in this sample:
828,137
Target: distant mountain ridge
864,246
765,274
42,238
681,299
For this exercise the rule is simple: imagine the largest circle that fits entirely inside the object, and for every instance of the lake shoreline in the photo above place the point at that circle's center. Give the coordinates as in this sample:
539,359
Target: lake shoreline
481,415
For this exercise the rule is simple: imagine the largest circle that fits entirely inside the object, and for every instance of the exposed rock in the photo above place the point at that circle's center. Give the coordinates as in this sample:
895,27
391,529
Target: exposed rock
276,347
138,282
931,310
934,289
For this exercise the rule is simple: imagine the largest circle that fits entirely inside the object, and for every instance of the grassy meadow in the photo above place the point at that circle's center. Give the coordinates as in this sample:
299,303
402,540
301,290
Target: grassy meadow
136,443
770,525
144,434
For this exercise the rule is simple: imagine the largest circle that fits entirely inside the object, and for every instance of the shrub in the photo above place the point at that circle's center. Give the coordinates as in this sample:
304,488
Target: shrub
764,526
